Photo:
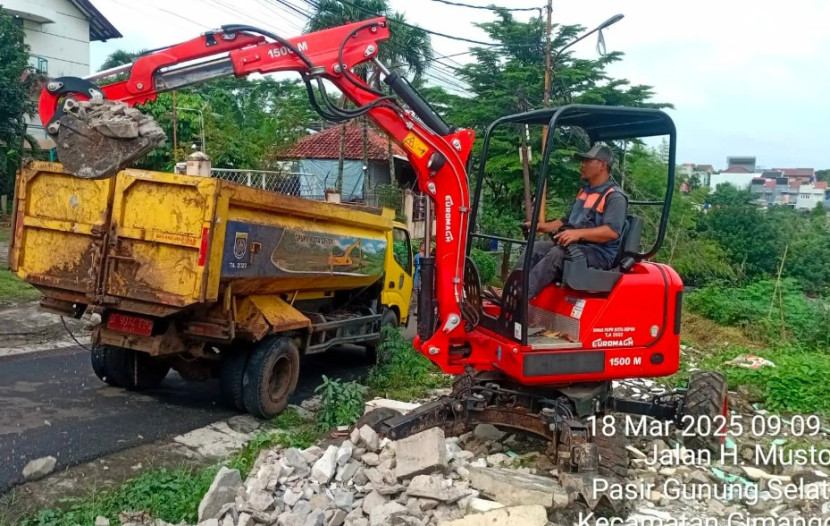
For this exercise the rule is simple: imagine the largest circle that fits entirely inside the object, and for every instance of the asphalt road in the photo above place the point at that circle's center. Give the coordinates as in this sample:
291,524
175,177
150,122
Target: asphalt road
51,403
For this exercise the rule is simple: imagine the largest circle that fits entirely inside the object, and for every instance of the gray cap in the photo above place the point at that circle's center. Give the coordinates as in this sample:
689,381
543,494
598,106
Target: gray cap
600,152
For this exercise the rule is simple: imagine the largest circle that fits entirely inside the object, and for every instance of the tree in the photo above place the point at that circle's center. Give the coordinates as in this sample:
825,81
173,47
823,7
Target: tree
408,50
119,57
18,84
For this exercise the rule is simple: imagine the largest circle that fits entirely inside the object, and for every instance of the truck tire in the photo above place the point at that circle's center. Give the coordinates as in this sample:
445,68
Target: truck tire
270,376
231,377
99,355
388,319
135,370
706,398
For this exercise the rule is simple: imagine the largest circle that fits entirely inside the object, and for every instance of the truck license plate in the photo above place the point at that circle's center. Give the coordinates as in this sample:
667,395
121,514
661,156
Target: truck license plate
131,324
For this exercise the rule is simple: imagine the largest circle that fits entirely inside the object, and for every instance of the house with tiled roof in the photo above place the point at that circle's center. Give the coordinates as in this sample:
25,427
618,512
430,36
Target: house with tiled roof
802,175
318,155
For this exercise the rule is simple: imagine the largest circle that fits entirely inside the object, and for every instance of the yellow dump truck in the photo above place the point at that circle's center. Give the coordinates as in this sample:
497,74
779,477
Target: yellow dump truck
208,277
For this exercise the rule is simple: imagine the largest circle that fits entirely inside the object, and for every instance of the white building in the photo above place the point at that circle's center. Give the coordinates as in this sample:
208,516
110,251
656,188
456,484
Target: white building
741,181
810,195
58,33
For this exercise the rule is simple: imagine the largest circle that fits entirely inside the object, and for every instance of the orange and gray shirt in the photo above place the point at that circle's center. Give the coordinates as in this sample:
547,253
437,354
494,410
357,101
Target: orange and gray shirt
605,204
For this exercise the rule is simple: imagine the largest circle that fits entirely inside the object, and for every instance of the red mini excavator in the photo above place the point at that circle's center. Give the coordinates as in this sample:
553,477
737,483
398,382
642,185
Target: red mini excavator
610,324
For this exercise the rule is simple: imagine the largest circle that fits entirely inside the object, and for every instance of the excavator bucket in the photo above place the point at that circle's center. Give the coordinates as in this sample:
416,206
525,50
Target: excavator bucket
97,138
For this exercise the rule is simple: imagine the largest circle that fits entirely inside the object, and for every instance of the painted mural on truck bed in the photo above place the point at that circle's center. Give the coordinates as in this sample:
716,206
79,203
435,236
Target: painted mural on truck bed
253,250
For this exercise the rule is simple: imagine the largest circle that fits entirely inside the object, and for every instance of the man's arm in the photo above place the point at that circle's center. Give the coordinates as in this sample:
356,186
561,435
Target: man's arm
614,219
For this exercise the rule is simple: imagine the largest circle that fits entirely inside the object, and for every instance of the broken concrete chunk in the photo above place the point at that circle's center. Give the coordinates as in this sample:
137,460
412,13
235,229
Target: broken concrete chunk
530,515
488,432
383,515
373,500
421,453
369,438
513,489
477,505
324,469
39,467
102,521
222,491
344,454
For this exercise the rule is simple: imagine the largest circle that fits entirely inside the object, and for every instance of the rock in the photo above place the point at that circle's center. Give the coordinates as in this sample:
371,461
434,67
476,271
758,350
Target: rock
260,500
209,522
370,459
245,519
383,515
40,467
697,477
463,472
222,491
337,519
347,472
293,458
319,501
421,453
291,519
426,487
529,515
497,460
302,508
358,522
636,453
344,500
759,474
465,455
478,463
102,521
488,432
344,454
716,508
324,469
369,438
354,436
290,497
808,476
401,407
513,489
373,500
360,477
312,454
315,518
428,504
477,505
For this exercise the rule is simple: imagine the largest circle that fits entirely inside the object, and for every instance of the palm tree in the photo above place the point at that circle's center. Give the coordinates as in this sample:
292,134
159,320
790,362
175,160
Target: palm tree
408,50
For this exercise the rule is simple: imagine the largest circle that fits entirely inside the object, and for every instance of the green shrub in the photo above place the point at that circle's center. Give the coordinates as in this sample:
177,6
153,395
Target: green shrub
402,372
486,264
797,383
768,315
342,403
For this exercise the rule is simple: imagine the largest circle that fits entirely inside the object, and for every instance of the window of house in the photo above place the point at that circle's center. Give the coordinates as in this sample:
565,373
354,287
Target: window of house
39,64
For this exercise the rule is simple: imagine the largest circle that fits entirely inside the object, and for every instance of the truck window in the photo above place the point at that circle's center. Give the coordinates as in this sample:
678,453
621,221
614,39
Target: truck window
401,249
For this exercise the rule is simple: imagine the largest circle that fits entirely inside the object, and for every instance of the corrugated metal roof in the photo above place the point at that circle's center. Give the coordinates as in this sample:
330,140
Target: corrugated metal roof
100,28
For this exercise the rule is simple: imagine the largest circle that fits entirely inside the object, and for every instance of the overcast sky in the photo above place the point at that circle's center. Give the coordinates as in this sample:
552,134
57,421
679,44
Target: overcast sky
744,79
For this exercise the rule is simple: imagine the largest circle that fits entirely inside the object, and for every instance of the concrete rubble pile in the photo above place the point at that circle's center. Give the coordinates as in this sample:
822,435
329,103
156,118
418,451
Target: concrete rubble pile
492,477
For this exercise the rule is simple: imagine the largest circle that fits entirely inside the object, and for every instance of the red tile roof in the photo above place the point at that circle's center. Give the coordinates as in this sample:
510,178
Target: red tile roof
797,172
795,185
736,169
769,183
326,145
821,185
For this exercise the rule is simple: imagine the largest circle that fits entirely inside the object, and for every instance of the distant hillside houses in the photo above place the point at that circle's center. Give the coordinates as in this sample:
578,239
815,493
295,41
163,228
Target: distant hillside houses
795,187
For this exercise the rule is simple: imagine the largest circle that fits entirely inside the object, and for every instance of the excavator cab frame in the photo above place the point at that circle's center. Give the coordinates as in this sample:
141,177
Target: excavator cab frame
600,123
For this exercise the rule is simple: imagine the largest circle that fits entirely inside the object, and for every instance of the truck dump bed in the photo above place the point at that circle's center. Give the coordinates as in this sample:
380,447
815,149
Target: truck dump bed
158,242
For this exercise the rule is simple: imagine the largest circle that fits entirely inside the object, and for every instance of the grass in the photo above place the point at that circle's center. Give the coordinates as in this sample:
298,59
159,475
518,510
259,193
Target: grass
13,288
403,373
172,495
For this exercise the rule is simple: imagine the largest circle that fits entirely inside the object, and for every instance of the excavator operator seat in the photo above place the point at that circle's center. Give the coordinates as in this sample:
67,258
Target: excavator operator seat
577,275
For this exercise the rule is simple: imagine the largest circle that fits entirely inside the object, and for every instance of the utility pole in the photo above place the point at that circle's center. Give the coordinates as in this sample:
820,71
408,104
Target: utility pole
175,131
546,101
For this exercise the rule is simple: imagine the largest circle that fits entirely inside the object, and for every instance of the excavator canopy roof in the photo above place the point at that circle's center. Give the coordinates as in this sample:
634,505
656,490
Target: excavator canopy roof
601,123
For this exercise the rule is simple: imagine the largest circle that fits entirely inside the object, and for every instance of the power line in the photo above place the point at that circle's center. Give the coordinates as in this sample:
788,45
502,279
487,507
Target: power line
314,4
487,8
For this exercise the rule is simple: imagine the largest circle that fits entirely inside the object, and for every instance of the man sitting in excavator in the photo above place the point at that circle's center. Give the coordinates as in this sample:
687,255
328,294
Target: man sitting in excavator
595,221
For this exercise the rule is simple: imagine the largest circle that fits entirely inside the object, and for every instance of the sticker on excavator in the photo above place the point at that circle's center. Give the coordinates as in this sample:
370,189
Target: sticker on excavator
415,145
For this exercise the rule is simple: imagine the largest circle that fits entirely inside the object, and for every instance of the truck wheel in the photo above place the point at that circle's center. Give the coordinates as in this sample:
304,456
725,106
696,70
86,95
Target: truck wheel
706,399
388,319
270,376
100,364
135,370
231,376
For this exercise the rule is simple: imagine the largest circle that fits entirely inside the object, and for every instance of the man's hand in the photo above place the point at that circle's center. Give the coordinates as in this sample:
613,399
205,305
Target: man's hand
544,227
567,237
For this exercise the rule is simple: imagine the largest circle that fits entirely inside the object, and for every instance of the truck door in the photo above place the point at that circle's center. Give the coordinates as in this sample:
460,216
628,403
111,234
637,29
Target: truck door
397,289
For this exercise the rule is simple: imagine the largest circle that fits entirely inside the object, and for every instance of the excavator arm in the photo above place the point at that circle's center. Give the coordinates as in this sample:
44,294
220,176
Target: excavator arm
437,152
